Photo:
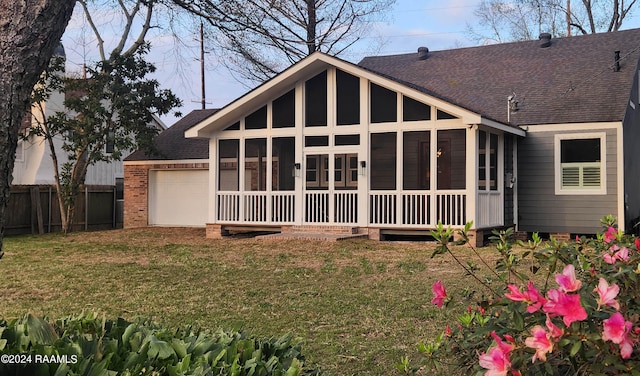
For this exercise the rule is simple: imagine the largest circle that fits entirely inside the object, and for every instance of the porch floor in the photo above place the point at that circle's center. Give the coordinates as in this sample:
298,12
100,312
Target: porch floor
311,236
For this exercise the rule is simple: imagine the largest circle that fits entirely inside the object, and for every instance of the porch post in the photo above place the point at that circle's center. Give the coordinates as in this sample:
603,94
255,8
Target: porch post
472,172
363,156
299,156
213,180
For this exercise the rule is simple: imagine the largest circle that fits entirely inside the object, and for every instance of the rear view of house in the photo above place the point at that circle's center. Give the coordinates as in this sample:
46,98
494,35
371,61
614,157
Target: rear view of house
536,134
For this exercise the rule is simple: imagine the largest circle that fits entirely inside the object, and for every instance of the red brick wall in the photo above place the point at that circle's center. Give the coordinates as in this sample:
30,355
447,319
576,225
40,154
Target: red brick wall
136,189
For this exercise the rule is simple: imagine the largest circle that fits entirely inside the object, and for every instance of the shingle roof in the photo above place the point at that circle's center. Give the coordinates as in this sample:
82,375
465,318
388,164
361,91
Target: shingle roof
172,145
572,80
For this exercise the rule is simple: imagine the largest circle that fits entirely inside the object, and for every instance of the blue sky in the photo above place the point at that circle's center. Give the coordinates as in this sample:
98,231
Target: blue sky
409,24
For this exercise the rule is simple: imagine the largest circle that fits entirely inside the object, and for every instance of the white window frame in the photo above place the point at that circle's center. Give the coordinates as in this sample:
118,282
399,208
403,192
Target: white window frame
559,190
20,151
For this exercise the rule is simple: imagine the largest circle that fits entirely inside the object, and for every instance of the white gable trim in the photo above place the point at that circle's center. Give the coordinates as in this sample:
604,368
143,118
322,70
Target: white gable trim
310,66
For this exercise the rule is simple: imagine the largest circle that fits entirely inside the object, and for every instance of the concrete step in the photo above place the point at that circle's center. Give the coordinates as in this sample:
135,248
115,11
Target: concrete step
311,236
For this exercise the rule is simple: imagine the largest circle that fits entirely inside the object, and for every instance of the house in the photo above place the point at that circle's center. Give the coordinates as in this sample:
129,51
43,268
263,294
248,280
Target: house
34,165
539,135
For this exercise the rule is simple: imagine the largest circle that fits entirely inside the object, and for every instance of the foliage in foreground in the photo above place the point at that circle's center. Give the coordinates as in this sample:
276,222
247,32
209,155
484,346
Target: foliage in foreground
568,308
88,345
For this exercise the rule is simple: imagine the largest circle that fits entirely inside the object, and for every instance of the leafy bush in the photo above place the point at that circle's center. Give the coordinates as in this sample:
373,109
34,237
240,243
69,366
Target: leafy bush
88,345
572,309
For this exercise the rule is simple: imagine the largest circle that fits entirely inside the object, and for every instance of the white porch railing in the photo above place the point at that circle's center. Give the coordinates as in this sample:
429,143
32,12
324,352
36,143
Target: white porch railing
490,209
408,209
417,208
256,207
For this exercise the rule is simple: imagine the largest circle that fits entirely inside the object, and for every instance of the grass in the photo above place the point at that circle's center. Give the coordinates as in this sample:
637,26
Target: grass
357,306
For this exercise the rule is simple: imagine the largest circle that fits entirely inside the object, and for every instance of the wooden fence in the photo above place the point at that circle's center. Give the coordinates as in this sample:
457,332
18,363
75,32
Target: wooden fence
34,209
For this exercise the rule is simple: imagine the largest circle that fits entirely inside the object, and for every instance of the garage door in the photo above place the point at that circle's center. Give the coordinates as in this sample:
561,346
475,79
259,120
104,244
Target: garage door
178,197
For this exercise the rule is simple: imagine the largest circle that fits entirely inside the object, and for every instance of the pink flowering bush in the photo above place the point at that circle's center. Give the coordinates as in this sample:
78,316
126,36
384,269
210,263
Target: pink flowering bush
573,308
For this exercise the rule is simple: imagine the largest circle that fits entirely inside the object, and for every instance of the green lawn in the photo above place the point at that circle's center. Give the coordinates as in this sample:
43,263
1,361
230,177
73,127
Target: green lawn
357,306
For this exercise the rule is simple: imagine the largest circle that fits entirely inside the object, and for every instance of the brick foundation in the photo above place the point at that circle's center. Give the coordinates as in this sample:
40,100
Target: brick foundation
561,236
136,189
215,231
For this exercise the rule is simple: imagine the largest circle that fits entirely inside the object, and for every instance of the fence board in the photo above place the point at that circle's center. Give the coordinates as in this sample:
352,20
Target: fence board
23,215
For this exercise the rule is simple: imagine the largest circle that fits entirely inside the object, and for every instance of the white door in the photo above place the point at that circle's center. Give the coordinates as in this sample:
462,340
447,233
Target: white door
178,197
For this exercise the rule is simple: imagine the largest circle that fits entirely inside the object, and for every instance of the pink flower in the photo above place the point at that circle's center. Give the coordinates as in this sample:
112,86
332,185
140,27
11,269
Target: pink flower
567,280
496,362
607,294
505,347
610,234
440,294
532,297
566,305
554,331
619,254
447,331
616,329
541,342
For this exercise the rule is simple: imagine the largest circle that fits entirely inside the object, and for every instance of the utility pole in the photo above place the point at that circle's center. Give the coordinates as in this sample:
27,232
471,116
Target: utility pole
568,18
202,64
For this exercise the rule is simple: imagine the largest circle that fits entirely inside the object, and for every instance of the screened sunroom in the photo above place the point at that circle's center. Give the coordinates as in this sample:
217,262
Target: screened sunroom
327,143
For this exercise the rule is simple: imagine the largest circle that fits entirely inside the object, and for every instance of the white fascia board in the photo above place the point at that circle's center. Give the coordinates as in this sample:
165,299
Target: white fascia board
165,162
518,131
308,67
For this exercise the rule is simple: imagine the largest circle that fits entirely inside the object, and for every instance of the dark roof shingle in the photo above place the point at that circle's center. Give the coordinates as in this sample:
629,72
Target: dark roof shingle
571,81
172,145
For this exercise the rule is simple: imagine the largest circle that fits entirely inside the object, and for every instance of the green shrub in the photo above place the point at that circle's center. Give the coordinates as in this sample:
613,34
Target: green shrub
89,345
573,308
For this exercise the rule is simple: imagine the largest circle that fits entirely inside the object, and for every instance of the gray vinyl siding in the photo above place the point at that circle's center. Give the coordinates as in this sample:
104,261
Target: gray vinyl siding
508,168
540,209
631,135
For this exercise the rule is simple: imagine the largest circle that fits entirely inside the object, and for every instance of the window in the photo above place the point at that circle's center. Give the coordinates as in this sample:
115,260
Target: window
283,159
233,127
412,110
228,165
487,156
316,141
347,98
255,164
416,160
384,105
315,101
347,139
441,115
257,120
317,171
580,163
452,160
284,111
383,161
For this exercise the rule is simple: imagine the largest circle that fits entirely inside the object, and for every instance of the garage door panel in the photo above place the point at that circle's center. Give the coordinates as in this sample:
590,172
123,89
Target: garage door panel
178,197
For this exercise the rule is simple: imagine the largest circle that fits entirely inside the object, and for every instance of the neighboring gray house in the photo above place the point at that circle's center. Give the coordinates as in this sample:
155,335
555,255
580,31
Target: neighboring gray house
537,134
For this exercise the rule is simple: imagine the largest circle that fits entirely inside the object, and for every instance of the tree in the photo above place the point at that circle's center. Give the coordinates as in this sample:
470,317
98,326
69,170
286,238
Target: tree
29,32
108,113
104,115
258,38
501,20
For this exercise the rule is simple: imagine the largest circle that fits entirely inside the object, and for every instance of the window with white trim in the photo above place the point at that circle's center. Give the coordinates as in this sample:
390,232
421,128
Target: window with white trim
580,163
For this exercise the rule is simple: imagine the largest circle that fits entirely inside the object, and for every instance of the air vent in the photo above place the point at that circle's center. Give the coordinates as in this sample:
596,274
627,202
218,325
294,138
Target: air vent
423,53
545,40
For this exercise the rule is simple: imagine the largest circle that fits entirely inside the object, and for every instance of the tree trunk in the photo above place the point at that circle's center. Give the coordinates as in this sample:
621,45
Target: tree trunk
29,32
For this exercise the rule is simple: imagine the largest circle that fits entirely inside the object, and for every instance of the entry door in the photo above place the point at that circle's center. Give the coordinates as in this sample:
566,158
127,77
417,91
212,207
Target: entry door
331,183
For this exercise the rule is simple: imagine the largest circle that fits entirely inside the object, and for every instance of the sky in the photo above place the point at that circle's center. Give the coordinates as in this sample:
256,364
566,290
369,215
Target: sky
409,24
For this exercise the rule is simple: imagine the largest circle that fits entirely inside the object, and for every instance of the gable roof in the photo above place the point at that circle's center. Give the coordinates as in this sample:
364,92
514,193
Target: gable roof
305,69
172,145
570,81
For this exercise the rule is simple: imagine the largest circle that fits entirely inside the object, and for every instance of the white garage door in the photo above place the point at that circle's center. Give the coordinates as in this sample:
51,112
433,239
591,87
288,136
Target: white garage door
178,197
